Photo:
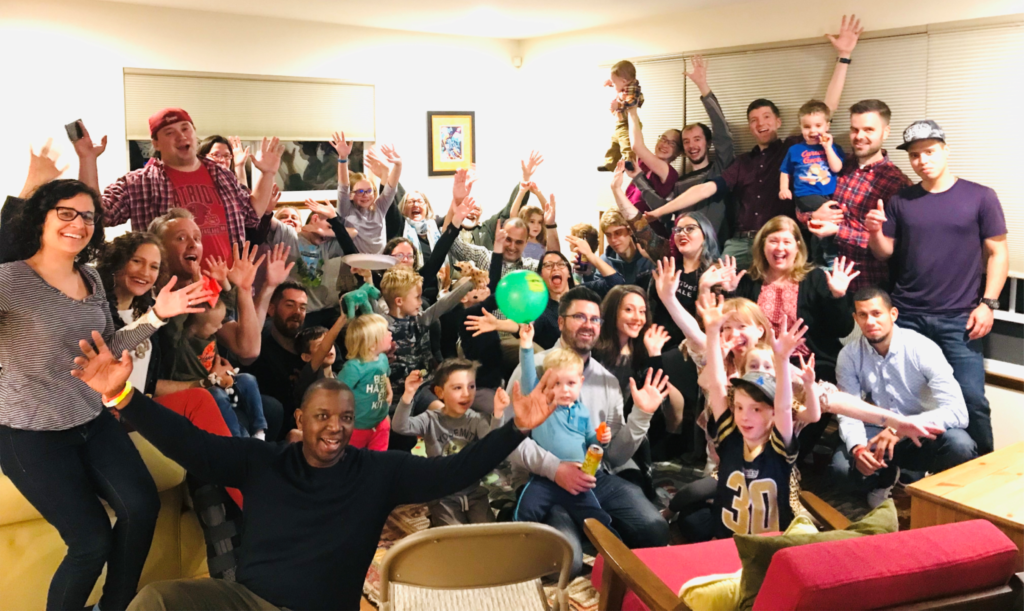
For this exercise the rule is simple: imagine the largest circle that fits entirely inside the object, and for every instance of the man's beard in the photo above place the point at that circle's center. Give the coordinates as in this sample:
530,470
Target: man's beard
878,340
698,161
581,347
282,326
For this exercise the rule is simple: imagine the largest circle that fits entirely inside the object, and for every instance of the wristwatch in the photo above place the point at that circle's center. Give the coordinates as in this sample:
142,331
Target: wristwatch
993,304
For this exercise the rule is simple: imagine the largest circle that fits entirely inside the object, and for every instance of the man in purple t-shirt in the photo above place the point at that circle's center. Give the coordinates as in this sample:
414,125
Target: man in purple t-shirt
938,233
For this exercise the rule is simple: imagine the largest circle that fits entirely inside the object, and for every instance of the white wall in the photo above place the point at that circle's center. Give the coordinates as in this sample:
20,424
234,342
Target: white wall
564,68
63,60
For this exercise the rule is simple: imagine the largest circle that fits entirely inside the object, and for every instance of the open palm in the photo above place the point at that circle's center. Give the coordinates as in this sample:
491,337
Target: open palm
99,369
533,409
840,276
654,391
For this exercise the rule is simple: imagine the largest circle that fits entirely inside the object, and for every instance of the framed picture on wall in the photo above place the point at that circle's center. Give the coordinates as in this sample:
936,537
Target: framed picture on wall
451,141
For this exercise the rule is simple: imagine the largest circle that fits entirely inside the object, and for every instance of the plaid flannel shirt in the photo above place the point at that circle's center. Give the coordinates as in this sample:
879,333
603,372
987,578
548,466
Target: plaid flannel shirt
145,194
857,192
631,96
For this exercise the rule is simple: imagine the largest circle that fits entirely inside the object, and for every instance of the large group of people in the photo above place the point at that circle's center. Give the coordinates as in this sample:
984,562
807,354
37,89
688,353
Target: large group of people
737,306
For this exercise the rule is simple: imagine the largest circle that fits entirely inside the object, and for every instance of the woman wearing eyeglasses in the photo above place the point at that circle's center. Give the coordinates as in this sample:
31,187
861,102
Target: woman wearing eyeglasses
227,153
59,447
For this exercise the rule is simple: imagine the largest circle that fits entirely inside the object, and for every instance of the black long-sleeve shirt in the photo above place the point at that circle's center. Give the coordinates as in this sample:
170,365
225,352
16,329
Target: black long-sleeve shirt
311,533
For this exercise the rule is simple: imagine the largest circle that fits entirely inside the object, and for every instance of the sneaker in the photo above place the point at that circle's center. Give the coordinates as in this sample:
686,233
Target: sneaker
604,168
879,495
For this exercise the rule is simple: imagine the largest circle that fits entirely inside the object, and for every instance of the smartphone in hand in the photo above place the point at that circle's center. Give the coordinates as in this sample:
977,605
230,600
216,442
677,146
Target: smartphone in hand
74,130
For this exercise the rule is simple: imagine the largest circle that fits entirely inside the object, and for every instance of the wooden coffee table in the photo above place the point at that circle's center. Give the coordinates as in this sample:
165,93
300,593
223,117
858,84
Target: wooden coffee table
990,487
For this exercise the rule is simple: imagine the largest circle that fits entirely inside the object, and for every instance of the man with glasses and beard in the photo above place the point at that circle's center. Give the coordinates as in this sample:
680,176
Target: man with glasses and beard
633,516
278,365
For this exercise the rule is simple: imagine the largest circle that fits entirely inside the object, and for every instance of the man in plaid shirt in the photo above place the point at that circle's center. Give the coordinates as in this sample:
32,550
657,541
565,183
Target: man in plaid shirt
223,208
866,177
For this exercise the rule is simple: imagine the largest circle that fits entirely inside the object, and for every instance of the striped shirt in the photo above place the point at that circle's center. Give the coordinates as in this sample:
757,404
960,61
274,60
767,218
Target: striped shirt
39,332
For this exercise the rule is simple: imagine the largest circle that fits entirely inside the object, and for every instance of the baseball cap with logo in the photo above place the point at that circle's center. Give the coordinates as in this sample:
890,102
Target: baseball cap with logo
165,117
753,379
921,130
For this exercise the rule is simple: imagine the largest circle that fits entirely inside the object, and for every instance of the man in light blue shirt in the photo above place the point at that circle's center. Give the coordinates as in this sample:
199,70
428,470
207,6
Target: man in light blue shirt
906,373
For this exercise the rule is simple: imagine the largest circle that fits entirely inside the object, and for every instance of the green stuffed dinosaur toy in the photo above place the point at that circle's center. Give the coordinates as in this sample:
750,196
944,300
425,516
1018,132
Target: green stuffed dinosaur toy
359,300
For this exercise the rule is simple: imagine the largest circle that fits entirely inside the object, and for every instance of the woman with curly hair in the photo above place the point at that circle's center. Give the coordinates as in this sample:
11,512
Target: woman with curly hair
59,447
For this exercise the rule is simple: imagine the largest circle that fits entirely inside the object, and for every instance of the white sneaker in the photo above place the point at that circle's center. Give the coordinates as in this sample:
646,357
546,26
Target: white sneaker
879,495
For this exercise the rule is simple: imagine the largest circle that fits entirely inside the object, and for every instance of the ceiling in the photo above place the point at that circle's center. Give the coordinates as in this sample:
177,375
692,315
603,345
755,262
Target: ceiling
514,19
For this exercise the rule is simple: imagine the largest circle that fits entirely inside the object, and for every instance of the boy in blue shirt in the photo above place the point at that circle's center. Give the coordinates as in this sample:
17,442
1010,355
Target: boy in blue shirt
814,166
567,434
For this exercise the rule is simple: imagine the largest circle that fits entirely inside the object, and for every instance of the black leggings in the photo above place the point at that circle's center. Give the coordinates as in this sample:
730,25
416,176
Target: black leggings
64,474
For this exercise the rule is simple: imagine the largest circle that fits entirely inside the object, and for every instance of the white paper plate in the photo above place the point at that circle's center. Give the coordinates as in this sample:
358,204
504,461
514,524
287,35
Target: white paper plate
371,262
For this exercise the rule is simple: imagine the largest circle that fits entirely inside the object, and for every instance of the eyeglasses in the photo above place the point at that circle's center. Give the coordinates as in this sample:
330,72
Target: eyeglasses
685,229
403,256
363,192
220,156
550,265
68,214
618,233
668,139
583,319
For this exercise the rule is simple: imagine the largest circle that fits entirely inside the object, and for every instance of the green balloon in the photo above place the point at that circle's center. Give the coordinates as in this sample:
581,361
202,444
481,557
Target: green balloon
522,296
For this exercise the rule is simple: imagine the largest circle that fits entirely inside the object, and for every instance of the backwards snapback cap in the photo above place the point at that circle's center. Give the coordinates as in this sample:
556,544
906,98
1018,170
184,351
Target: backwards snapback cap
165,117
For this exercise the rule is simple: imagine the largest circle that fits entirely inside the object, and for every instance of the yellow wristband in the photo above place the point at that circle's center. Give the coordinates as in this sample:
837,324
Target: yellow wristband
114,401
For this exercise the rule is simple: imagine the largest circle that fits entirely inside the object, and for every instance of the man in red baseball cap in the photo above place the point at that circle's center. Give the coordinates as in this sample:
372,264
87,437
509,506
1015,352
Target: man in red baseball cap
177,178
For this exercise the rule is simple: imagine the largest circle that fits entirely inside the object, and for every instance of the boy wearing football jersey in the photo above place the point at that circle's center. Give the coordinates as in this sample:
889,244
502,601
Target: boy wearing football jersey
752,427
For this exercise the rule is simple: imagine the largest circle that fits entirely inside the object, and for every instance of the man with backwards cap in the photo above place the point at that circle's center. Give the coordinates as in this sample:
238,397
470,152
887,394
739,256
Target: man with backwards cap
938,235
178,178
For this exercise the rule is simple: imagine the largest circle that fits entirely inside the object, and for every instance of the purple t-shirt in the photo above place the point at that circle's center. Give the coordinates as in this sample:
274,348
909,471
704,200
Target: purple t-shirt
939,251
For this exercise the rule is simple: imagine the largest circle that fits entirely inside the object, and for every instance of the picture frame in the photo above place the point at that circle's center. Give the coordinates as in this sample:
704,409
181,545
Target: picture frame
451,141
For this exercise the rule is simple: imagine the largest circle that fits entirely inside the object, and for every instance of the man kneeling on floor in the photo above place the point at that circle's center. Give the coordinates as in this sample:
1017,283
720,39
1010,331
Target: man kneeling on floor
904,372
314,510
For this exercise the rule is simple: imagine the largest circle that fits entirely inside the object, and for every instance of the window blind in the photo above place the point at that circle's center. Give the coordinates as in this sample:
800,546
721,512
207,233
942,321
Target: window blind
975,86
250,106
662,83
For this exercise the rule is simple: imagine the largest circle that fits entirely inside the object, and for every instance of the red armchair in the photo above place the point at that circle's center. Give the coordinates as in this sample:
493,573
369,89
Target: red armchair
955,566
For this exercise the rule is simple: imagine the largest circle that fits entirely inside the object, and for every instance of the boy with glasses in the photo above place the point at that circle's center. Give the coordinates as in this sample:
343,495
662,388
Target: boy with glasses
624,256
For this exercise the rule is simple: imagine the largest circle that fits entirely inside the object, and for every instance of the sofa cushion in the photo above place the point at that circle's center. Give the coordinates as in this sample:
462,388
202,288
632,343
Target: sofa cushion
757,552
889,570
678,564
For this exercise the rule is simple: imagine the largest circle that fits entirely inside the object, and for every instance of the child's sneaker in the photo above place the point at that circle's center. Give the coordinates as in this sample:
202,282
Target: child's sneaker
879,495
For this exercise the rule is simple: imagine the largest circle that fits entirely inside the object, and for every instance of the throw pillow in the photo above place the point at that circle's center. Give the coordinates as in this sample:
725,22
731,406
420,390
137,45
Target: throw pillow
756,551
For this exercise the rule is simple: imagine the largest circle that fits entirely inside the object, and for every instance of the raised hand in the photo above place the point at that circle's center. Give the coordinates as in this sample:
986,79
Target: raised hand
321,209
698,73
710,308
529,166
217,268
874,219
42,168
275,197
620,168
822,229
501,401
499,237
170,303
485,323
526,336
461,185
278,266
785,343
840,276
391,154
849,34
268,159
549,210
655,339
534,408
654,391
99,369
85,148
413,381
373,160
581,246
825,139
342,146
238,153
807,375
666,279
463,209
243,271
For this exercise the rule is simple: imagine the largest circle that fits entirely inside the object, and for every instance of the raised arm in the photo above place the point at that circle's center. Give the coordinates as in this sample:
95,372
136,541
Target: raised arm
550,222
881,245
636,138
396,165
666,283
267,160
344,149
844,43
579,245
709,306
87,154
783,346
244,336
689,198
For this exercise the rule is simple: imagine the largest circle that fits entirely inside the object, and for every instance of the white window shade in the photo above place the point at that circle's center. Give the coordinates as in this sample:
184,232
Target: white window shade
250,106
661,82
975,88
890,69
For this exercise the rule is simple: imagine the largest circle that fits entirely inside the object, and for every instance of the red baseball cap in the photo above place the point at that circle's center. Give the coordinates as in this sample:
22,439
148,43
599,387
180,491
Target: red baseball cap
165,117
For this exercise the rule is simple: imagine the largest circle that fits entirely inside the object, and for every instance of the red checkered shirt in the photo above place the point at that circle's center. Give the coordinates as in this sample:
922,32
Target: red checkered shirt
145,194
857,192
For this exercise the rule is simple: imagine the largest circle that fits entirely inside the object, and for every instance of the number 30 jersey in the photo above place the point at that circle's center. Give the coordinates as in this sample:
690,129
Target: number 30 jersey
753,493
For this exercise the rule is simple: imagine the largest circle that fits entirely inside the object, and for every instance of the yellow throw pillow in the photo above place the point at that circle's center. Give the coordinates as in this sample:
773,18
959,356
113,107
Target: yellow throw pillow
712,592
722,592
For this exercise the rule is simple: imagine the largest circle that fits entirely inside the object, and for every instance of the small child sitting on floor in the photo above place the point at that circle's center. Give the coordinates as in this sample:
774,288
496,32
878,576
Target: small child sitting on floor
447,431
627,95
567,434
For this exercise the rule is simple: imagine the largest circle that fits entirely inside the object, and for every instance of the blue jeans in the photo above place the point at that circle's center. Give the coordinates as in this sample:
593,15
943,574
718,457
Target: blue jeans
636,520
64,474
541,494
950,449
968,362
249,401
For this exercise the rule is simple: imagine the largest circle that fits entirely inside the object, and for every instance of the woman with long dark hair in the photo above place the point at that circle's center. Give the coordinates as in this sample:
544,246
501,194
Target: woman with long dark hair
59,447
